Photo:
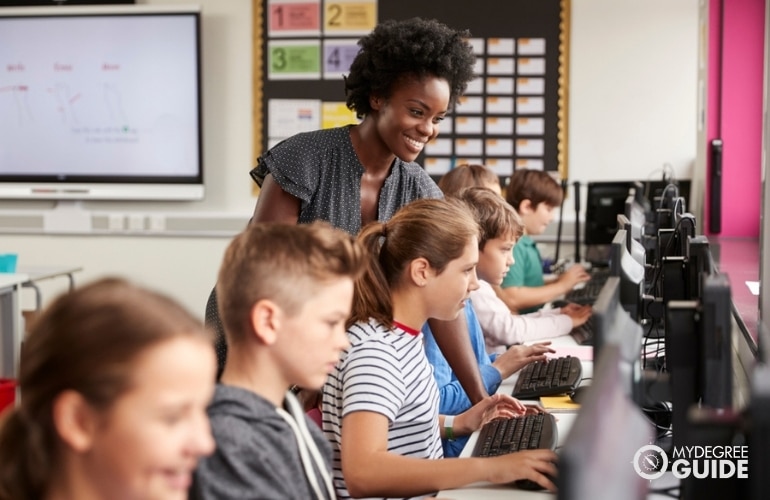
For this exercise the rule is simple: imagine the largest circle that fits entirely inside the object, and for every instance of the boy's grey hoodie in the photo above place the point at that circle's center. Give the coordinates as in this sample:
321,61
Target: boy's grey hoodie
257,453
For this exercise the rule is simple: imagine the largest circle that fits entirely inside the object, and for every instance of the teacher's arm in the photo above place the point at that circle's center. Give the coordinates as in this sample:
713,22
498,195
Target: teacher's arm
275,205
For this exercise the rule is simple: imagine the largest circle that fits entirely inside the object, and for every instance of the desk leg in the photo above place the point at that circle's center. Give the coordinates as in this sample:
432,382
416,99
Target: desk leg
38,294
10,329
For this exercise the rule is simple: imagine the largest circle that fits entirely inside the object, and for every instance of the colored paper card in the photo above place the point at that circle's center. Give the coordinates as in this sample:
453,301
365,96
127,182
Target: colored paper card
294,18
500,47
531,66
558,403
349,17
336,114
530,86
294,60
531,46
338,56
496,125
287,117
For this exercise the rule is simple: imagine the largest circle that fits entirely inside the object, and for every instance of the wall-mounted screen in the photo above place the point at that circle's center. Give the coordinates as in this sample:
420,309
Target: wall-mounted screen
100,103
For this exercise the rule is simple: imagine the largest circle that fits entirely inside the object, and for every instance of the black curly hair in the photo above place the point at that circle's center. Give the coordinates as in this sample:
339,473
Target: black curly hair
418,47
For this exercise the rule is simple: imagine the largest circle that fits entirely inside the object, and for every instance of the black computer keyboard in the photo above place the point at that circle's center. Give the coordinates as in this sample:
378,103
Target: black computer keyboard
507,435
548,378
584,334
590,290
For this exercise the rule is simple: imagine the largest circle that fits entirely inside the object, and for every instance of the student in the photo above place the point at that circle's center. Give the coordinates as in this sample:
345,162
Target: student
534,194
494,369
407,75
114,383
500,228
285,293
468,175
380,405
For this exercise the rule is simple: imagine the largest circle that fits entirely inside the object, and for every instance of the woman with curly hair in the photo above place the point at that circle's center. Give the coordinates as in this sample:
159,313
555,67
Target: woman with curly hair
406,77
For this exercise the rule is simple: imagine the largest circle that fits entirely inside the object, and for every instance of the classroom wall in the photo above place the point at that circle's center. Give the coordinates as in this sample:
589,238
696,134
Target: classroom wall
738,121
632,95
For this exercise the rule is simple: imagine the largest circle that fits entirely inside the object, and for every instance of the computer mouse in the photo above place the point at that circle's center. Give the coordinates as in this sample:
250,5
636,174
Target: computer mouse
579,394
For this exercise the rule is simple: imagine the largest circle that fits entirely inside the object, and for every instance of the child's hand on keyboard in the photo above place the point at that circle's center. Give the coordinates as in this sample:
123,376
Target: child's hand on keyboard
534,409
496,406
535,465
519,356
578,313
572,276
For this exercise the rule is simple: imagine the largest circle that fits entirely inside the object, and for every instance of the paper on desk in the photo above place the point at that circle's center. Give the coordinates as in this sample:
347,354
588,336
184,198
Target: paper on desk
581,352
558,403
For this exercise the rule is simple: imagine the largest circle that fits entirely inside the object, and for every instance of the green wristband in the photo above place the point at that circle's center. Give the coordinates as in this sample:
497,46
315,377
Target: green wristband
448,427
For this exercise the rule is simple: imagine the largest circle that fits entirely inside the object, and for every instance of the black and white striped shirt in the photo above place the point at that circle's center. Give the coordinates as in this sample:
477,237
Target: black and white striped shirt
384,371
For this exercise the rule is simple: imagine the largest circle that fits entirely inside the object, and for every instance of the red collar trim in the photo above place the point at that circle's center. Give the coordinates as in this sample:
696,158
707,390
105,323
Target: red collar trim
407,329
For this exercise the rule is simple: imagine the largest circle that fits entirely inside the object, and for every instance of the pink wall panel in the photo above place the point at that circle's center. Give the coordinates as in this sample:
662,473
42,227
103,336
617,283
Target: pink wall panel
739,115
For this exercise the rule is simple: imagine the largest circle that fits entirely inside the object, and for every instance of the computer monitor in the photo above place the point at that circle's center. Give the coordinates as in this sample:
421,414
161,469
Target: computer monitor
597,458
636,215
680,275
614,326
101,102
634,233
698,261
630,272
605,200
698,351
758,431
665,205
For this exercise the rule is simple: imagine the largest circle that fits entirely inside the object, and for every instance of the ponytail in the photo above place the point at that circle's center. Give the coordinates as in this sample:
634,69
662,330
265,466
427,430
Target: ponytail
371,298
24,458
434,229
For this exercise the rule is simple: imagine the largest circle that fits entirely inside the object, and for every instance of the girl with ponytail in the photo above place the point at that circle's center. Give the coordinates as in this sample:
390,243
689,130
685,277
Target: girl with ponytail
380,405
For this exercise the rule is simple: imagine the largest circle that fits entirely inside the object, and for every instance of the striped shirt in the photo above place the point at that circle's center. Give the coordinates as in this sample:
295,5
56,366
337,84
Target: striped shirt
384,371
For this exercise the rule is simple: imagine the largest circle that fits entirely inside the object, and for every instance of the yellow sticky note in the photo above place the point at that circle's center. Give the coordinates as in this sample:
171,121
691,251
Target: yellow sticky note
562,402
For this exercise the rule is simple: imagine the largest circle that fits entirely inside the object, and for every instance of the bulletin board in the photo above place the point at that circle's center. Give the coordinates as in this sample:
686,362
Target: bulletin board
513,115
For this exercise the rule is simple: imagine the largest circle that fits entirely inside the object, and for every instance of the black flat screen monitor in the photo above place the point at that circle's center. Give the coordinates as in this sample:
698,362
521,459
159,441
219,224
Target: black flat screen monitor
101,103
630,271
614,326
605,200
699,352
759,433
597,458
633,243
636,215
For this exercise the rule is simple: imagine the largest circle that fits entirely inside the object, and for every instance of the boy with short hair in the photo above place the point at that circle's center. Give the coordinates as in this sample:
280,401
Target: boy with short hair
500,230
534,194
285,292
